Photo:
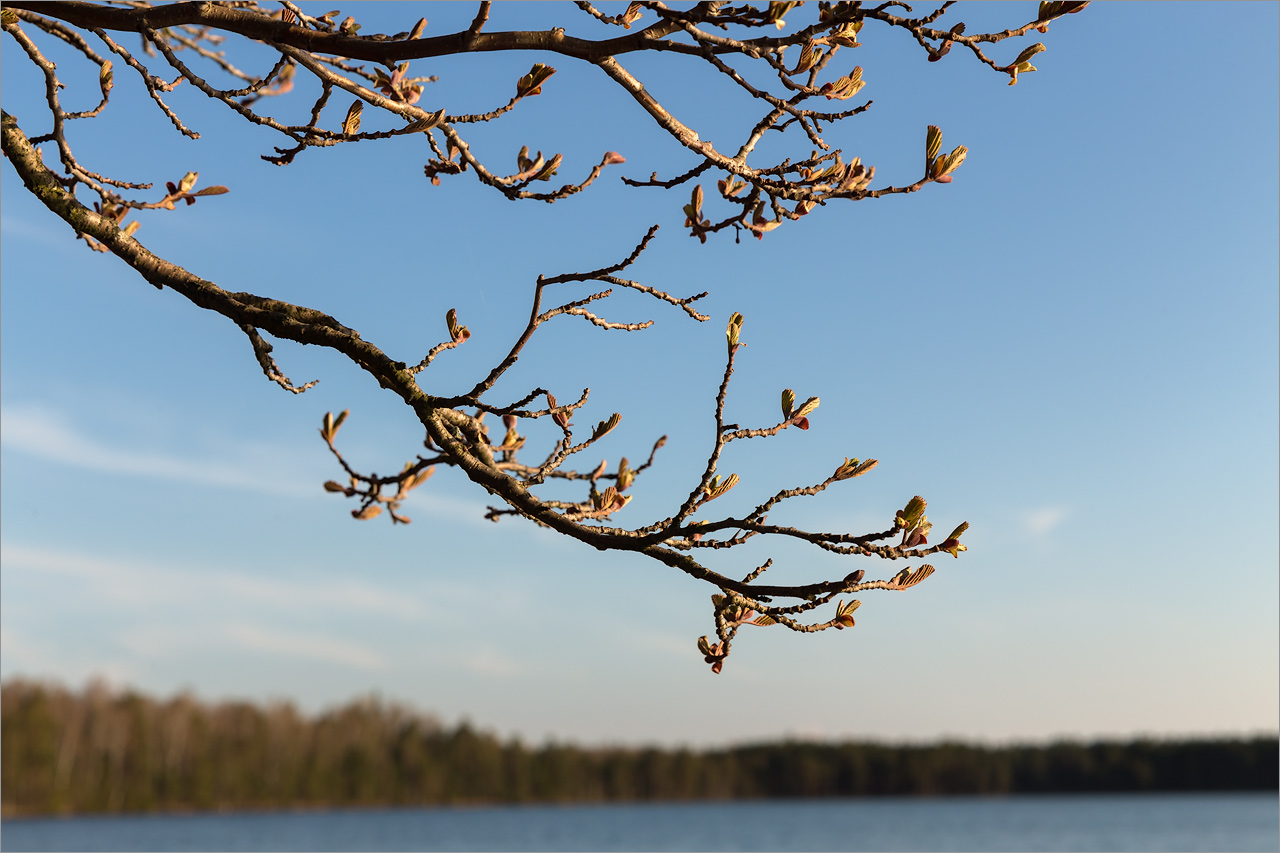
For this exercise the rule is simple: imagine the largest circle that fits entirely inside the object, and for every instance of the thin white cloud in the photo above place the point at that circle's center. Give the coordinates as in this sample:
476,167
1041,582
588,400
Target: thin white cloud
21,655
1042,522
487,661
149,644
677,647
47,435
440,506
140,584
311,646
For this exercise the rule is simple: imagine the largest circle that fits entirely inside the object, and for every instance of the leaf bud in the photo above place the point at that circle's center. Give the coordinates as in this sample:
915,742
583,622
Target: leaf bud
734,330
945,167
853,468
914,511
932,145
634,12
716,488
531,83
1029,52
351,124
606,426
625,475
807,407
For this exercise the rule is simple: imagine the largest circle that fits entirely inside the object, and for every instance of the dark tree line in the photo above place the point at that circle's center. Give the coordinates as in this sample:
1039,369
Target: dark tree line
99,751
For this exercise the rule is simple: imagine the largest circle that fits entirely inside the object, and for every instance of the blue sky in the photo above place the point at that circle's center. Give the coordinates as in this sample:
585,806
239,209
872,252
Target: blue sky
1073,347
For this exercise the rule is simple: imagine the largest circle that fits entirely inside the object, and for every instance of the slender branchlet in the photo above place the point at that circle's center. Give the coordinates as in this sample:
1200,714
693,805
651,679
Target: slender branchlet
367,93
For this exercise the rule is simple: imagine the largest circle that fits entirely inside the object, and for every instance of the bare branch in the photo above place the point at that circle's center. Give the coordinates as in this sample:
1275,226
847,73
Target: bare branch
262,351
755,197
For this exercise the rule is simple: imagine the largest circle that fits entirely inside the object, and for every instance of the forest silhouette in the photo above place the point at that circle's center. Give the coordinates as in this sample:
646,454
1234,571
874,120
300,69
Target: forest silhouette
104,751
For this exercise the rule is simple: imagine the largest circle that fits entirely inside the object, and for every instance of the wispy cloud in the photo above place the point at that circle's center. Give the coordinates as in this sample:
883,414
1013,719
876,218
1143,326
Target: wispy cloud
142,585
48,435
175,611
310,646
27,656
1042,522
147,644
487,661
438,506
669,644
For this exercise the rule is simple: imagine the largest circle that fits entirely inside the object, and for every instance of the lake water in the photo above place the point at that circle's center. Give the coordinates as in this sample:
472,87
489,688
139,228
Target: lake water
1224,822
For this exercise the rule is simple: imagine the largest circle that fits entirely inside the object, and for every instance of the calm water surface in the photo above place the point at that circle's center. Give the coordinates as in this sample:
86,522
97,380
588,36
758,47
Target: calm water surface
1225,822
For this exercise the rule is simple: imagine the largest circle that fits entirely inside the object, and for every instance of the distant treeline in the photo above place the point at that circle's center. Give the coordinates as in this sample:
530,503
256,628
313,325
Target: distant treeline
100,751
